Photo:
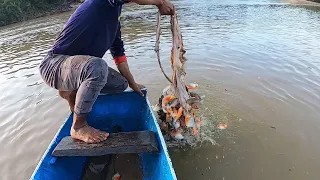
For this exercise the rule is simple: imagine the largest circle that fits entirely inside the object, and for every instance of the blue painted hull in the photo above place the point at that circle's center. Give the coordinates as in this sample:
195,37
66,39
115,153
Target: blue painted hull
128,110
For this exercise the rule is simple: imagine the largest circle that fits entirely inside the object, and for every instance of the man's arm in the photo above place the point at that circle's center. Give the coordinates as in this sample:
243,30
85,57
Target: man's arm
165,7
117,48
120,59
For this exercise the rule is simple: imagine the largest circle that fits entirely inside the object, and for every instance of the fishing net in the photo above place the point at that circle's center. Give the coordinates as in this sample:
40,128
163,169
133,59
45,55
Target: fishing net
177,104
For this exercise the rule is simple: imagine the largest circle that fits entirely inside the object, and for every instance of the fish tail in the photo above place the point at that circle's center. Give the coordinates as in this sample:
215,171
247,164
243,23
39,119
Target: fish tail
177,134
187,120
195,131
198,122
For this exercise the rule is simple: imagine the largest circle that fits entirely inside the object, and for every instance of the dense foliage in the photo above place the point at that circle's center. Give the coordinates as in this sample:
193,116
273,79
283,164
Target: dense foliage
18,10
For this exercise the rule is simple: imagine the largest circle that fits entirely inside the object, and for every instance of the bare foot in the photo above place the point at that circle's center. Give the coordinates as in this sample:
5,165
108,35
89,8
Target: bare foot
88,134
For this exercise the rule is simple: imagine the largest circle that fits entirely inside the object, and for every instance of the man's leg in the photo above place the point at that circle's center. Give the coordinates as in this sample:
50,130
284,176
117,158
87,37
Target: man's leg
79,81
116,83
70,96
93,78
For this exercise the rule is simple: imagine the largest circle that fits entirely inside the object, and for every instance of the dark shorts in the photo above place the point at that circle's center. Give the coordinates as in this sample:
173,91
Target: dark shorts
86,74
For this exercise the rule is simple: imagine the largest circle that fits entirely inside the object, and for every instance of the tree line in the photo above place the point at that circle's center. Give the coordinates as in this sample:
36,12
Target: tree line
12,11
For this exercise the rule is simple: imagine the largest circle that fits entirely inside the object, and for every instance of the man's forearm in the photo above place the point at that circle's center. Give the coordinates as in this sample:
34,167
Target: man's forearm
148,2
125,71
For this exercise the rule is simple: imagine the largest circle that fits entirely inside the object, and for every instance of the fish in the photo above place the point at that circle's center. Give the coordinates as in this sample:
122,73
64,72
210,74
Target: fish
174,103
195,105
189,120
198,122
195,131
192,100
176,124
195,101
183,122
177,113
116,176
177,134
165,103
192,86
222,125
195,95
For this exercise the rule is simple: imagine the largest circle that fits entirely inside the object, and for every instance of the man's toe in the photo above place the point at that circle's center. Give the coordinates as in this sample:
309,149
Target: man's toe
90,140
105,135
101,138
94,139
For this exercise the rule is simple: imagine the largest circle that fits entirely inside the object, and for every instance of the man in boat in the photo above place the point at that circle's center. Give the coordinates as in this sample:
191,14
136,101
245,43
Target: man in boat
74,65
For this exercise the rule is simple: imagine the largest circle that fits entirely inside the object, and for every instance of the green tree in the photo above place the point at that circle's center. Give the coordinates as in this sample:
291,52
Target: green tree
18,10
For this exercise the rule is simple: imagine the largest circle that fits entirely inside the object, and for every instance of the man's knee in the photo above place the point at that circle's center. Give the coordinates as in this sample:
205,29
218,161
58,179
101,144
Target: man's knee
120,85
125,84
119,81
98,71
116,83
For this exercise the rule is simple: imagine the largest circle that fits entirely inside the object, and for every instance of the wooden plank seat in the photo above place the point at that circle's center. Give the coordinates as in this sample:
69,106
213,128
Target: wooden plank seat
117,143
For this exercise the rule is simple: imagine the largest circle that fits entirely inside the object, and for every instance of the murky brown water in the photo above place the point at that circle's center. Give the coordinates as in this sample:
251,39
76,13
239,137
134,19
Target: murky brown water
258,64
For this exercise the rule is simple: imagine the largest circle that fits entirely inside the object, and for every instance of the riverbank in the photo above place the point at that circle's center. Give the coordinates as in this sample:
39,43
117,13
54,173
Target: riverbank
304,2
14,11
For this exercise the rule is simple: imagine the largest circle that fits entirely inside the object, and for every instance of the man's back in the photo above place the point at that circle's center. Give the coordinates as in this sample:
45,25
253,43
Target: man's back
90,30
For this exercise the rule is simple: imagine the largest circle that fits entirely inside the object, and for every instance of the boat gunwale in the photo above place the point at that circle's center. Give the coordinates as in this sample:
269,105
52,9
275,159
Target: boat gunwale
162,141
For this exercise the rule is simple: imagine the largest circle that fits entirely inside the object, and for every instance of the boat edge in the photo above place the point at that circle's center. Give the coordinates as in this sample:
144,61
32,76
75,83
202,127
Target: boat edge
162,141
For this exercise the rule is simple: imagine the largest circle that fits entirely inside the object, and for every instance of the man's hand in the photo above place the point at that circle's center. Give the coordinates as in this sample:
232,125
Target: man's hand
148,2
125,71
166,8
137,87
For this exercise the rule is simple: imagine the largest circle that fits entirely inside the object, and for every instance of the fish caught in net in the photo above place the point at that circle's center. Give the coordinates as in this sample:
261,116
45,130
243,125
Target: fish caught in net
178,102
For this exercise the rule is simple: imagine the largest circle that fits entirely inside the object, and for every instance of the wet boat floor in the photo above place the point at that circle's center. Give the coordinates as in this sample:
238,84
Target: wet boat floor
129,167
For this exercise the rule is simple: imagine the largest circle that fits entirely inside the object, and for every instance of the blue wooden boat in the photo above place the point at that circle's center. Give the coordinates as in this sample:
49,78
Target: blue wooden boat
128,110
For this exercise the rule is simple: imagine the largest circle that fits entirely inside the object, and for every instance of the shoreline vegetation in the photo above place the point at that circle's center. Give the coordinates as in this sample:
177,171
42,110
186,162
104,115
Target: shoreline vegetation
304,2
13,11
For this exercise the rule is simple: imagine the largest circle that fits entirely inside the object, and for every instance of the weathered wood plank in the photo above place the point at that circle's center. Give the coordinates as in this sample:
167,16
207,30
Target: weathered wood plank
117,143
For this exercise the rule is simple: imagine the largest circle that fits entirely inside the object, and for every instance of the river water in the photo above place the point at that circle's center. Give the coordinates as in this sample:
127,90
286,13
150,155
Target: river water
258,66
